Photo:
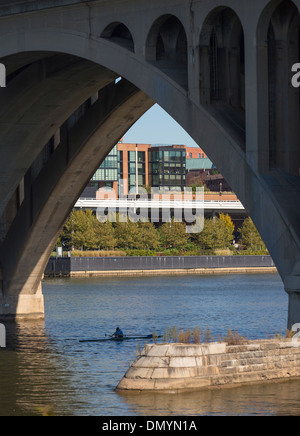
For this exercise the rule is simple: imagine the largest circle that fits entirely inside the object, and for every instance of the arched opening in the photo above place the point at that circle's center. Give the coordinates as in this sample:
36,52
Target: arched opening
166,47
283,51
119,34
222,61
222,66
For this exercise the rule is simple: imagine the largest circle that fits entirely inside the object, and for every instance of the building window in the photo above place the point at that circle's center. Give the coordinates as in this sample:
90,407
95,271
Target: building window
133,160
108,171
168,171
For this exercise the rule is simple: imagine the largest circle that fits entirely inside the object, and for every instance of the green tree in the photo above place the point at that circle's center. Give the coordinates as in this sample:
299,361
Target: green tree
224,235
79,230
250,236
216,234
173,234
207,236
128,235
148,235
228,221
105,235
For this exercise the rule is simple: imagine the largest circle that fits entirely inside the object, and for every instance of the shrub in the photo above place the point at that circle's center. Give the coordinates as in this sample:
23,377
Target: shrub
234,338
98,253
225,252
140,253
189,336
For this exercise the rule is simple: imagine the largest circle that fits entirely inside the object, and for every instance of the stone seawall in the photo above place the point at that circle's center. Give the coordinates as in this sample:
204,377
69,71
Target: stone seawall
149,265
180,367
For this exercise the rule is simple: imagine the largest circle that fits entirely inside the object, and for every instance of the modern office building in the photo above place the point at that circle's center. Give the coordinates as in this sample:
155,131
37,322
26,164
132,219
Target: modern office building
108,174
134,167
130,166
167,167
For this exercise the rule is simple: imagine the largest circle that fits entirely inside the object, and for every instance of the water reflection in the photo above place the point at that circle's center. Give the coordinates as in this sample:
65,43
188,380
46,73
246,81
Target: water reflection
28,335
257,400
31,382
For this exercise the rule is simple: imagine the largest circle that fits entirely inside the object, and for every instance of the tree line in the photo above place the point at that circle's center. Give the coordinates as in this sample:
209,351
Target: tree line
83,231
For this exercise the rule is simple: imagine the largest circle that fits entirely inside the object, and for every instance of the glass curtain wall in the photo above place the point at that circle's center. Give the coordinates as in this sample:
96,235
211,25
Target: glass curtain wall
167,168
133,160
108,170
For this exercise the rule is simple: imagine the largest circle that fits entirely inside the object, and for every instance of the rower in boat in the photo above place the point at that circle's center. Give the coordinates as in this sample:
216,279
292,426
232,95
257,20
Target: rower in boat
118,333
114,337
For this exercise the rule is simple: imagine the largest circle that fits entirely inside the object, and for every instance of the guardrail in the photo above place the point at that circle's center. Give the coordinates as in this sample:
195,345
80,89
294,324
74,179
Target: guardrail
159,204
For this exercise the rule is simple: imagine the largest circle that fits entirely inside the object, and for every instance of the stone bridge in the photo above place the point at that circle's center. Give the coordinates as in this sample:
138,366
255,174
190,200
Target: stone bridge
222,72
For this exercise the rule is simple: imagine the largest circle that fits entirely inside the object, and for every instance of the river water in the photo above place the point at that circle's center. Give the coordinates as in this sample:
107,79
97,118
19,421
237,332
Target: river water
46,370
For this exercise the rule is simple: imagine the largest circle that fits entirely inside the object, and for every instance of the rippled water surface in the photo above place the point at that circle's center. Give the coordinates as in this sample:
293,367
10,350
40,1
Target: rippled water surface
45,369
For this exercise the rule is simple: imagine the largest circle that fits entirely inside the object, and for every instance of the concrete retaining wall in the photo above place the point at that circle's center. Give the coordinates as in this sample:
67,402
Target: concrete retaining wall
103,265
178,367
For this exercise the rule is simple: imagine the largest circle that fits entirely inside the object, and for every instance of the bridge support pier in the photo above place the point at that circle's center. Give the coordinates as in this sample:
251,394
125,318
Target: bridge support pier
25,251
15,307
292,287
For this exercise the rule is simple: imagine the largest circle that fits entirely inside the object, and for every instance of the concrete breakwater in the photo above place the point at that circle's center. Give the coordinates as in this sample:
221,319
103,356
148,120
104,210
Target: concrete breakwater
147,265
181,367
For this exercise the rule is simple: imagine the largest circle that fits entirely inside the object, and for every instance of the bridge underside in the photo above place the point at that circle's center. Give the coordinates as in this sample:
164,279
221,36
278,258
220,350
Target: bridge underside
63,110
52,183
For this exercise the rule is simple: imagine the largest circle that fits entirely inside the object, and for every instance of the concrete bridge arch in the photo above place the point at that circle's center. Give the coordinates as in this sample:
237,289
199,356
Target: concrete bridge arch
90,46
119,33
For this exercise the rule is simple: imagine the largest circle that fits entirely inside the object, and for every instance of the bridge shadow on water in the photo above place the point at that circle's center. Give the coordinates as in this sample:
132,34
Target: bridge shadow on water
29,371
26,336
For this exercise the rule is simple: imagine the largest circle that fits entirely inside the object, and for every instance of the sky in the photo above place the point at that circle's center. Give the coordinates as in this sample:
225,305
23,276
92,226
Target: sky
157,127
